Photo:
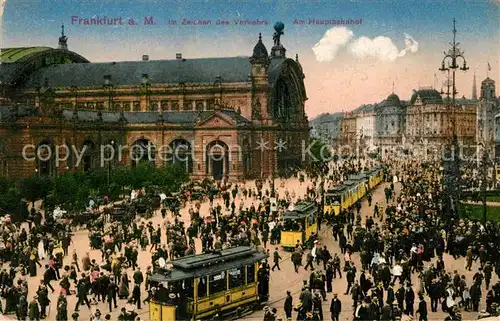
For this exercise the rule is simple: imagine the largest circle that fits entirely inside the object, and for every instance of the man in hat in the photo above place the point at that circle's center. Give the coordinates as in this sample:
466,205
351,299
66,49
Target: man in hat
33,310
306,299
422,309
317,306
43,300
335,307
310,259
288,305
62,307
276,260
97,315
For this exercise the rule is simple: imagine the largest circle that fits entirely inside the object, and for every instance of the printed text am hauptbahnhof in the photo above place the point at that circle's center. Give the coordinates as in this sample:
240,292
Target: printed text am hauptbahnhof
326,22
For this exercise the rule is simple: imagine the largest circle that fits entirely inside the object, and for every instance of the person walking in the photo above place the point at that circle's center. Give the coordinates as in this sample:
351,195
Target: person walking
422,309
288,307
335,307
276,260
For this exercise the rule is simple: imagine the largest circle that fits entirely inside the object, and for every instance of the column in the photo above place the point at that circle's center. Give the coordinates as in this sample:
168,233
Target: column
204,105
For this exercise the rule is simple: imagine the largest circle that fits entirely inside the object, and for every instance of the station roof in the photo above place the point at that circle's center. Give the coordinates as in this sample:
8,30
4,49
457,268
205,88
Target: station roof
11,55
130,73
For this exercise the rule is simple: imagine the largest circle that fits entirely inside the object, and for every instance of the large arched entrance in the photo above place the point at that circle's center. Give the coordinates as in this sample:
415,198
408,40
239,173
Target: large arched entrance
180,152
217,160
45,165
142,152
89,155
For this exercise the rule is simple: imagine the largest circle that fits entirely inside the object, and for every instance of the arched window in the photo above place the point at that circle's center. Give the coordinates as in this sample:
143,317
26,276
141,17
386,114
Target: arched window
164,105
143,151
153,107
89,157
175,106
199,106
283,104
45,158
179,152
188,105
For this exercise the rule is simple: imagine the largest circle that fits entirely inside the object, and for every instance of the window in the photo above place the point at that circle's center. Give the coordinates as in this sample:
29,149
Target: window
175,106
137,106
217,282
126,107
211,104
116,107
153,107
250,273
202,287
188,287
236,277
188,105
164,105
100,106
199,106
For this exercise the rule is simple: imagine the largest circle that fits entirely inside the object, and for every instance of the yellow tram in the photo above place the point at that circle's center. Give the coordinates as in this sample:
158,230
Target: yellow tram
299,224
204,285
344,196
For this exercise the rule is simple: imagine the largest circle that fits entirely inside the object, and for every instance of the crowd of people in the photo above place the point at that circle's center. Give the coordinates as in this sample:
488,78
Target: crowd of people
401,246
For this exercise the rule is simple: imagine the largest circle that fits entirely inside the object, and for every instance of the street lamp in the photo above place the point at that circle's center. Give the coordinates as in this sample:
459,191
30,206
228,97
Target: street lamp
452,176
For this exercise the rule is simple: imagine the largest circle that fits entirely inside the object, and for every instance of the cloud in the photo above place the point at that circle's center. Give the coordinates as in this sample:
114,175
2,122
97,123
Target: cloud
334,39
381,48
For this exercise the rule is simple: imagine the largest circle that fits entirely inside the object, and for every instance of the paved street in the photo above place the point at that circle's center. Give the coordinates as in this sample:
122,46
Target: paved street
280,282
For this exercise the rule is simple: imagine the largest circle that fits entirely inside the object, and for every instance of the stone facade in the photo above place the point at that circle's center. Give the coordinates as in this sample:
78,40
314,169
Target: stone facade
486,109
226,116
366,127
327,128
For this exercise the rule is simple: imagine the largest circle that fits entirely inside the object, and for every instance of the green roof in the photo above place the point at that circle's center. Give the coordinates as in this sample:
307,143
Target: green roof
10,55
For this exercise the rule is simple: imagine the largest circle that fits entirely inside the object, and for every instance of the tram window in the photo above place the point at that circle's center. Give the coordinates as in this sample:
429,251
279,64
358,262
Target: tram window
250,273
188,287
202,287
236,277
311,220
218,282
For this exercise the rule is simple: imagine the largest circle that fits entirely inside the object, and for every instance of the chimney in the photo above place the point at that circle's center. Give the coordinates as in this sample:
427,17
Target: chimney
178,56
145,57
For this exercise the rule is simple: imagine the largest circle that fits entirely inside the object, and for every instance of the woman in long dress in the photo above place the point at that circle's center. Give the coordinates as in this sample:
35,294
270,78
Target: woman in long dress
123,291
41,250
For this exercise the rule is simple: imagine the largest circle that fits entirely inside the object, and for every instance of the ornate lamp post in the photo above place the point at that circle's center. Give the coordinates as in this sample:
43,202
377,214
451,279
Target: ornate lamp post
452,176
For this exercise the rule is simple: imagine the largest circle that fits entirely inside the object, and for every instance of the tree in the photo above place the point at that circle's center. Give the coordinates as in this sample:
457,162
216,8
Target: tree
320,152
35,188
11,202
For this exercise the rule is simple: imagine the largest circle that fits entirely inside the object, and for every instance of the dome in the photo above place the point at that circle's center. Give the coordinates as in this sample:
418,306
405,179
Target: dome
260,51
394,99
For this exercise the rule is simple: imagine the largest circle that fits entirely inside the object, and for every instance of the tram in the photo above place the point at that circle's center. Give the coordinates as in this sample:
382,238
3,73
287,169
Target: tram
201,286
299,224
349,192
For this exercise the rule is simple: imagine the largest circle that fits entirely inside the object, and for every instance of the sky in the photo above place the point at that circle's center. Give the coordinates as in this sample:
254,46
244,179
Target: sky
397,45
